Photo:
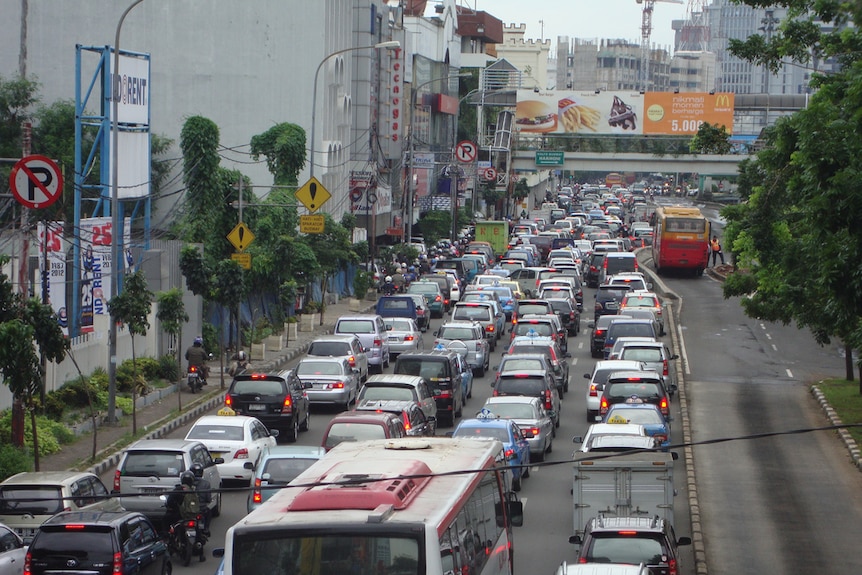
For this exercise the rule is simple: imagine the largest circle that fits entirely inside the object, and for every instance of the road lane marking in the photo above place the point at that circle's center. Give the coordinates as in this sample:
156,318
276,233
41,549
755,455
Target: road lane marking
789,374
768,336
574,362
774,347
682,352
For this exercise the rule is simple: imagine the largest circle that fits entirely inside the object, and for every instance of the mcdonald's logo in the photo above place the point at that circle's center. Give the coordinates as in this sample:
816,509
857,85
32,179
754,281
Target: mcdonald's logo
722,101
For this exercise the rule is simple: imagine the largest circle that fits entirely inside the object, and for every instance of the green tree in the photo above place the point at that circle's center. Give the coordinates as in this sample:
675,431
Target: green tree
17,97
710,139
172,315
435,225
132,307
199,140
333,251
284,148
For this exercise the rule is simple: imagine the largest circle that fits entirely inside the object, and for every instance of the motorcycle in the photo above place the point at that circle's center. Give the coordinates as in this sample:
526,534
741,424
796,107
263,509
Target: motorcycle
195,378
186,538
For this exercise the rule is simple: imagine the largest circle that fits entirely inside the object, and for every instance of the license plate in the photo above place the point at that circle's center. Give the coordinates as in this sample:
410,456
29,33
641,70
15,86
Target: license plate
256,407
215,454
612,305
151,490
394,338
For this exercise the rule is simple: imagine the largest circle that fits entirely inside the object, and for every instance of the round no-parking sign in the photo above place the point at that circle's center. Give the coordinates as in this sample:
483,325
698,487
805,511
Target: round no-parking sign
36,182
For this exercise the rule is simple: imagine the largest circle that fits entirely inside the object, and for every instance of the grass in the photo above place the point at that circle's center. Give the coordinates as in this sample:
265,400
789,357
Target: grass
845,399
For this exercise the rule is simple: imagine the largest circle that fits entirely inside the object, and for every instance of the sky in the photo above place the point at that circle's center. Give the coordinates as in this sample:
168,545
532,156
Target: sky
588,19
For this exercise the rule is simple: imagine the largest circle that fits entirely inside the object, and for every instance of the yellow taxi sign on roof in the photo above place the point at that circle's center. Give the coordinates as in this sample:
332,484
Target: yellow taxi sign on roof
617,419
225,411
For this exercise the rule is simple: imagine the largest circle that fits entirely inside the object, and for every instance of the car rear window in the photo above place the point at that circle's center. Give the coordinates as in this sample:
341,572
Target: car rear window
283,471
620,329
642,390
615,265
89,545
512,410
153,463
353,432
329,348
641,353
378,392
484,432
628,549
258,386
477,313
226,432
461,333
355,326
399,304
13,500
318,368
543,329
524,309
521,385
431,369
423,288
516,364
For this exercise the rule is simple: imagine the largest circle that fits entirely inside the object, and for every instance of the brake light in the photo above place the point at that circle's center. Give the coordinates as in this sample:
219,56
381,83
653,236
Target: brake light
74,526
407,426
603,406
509,453
605,263
438,298
489,328
627,533
117,563
117,480
408,338
445,395
548,404
228,401
664,407
534,430
287,404
600,332
377,342
661,437
256,495
664,368
241,454
594,390
352,361
636,264
496,393
27,564
671,567
192,369
594,269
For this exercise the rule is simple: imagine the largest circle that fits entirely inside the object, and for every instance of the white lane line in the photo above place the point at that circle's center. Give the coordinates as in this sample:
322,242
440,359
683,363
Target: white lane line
768,336
774,347
789,374
762,326
581,345
574,362
682,352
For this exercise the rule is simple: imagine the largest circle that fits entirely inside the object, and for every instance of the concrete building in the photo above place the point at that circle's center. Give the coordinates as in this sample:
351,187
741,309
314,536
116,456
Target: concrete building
692,71
529,56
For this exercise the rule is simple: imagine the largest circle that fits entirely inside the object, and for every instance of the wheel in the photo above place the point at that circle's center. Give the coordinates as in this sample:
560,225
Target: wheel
480,371
307,422
167,568
525,472
538,456
386,362
550,446
293,432
516,484
591,416
557,422
186,552
216,511
458,413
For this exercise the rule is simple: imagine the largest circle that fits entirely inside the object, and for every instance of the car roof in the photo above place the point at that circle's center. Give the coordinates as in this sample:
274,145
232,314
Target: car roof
228,421
45,477
339,337
293,451
162,444
615,429
395,378
323,359
645,374
623,364
390,405
524,373
375,417
513,399
90,517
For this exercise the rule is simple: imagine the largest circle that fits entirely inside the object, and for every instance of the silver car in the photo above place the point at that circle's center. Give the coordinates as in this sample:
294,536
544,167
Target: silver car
531,417
404,335
471,334
332,380
655,356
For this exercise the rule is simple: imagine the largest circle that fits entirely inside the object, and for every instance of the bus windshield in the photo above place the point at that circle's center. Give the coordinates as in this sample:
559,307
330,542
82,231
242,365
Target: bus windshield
342,554
685,225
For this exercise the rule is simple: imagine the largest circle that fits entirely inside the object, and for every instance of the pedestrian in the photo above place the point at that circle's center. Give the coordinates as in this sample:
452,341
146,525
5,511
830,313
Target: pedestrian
716,250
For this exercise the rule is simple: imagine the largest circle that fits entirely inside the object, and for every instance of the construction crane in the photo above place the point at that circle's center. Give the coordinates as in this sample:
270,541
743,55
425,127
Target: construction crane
646,32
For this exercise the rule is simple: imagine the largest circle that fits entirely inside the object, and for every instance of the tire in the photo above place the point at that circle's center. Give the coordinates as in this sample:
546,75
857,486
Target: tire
538,457
516,484
307,423
457,413
480,371
385,363
550,447
525,472
186,553
167,568
293,432
557,423
216,511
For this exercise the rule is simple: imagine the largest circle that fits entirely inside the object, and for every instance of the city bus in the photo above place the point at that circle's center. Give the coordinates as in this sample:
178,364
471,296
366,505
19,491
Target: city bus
680,239
412,506
613,179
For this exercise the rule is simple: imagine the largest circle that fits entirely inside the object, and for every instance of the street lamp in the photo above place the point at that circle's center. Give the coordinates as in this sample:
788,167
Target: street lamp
389,44
115,218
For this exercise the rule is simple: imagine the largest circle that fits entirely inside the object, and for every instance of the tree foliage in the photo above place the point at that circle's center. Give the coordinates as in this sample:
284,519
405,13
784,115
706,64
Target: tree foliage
711,139
199,140
284,148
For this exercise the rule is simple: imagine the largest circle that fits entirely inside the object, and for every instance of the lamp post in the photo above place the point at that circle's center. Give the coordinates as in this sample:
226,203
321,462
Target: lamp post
389,44
115,218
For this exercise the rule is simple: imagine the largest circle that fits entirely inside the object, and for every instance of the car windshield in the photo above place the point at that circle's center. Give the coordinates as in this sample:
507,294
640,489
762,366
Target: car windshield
329,348
641,353
528,308
355,326
462,333
477,313
399,325
353,432
525,328
512,410
620,329
319,368
517,364
628,549
153,463
397,304
428,368
483,432
382,392
88,547
532,386
283,471
13,500
227,432
634,415
642,390
257,387
423,288
639,301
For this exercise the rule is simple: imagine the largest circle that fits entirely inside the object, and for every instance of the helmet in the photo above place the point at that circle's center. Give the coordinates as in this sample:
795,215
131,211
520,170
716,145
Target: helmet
388,279
187,478
197,470
411,268
241,355
199,340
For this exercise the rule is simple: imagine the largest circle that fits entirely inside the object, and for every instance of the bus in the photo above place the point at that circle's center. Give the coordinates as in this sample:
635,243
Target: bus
412,506
680,239
613,179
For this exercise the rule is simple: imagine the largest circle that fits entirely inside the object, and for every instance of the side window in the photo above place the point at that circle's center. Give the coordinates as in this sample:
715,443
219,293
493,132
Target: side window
135,539
148,532
99,488
255,433
8,541
201,455
422,391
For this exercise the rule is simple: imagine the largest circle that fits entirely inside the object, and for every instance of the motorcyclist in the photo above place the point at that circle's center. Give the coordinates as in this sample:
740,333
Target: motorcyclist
410,276
239,364
388,286
176,506
205,496
197,357
398,280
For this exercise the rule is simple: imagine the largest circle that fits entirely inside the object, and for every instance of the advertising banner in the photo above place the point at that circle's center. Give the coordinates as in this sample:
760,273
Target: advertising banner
683,113
132,88
133,157
96,266
363,194
52,257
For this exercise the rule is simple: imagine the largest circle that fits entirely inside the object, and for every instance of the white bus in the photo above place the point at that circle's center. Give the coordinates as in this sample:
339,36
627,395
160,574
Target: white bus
429,506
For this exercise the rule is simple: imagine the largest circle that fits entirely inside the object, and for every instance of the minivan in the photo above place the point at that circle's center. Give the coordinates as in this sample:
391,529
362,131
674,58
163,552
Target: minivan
372,333
441,370
400,387
617,262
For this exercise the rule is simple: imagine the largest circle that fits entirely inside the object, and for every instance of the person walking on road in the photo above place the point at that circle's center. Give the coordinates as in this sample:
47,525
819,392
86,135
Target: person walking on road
716,250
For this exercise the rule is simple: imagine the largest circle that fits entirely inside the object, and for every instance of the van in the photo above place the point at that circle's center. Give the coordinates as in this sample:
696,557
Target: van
616,263
441,370
400,387
397,306
372,333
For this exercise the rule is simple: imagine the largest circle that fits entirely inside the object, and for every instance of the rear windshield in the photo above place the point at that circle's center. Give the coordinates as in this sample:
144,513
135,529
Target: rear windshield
329,348
616,265
619,329
227,432
424,288
690,225
612,293
526,364
521,385
484,432
153,463
461,333
13,500
543,329
89,546
283,471
353,432
641,353
318,368
431,369
512,410
560,305
355,326
613,548
478,313
258,386
539,309
642,390
399,304
383,392
640,301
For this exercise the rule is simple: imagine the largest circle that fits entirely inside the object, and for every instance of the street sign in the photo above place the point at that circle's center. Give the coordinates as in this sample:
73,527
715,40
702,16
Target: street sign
548,158
313,195
36,182
490,174
311,224
240,237
466,151
244,260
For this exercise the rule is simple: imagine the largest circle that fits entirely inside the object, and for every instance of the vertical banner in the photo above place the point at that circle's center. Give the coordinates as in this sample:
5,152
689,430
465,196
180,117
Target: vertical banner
96,266
52,258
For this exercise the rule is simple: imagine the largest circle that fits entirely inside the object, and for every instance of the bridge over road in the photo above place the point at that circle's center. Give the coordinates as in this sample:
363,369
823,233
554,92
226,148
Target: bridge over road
703,164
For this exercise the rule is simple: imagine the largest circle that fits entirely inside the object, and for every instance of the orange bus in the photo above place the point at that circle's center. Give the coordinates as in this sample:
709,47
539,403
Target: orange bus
680,239
614,179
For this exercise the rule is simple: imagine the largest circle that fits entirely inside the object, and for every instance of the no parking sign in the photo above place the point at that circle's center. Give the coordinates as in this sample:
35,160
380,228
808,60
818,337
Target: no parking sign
36,182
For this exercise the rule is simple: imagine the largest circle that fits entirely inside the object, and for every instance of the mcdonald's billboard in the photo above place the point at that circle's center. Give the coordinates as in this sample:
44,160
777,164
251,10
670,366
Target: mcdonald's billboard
673,114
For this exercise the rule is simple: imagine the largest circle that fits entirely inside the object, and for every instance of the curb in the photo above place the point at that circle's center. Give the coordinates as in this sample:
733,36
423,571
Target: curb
849,442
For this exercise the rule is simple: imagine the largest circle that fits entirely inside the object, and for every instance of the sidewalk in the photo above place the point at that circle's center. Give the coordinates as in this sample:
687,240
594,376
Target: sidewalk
161,417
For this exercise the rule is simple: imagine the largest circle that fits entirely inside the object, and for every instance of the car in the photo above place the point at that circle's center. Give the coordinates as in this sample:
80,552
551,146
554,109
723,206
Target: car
442,370
597,432
514,286
531,416
485,313
643,313
328,380
548,325
628,327
570,316
56,491
98,543
13,552
466,376
404,336
592,268
401,305
455,286
372,333
505,296
516,449
617,262
656,425
645,385
531,306
472,335
526,279
635,281
362,425
445,281
655,356
599,377
412,416
277,399
548,347
511,265
234,439
432,293
531,383
423,314
347,346
650,541
647,300
401,386
599,329
608,299
278,466
492,298
150,468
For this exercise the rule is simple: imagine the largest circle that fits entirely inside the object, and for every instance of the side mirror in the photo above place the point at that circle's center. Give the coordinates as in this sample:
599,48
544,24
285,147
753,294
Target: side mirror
577,439
273,433
674,356
587,376
649,286
436,333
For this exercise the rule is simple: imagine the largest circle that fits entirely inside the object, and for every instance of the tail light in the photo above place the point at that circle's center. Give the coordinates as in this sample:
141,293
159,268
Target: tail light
228,400
489,328
445,395
509,453
599,332
671,567
27,559
603,406
191,523
409,338
594,390
117,480
548,404
336,385
496,393
377,342
438,298
664,368
287,404
445,301
241,454
661,437
571,315
117,563
193,369
594,269
636,264
256,496
605,263
407,426
534,430
664,407
352,361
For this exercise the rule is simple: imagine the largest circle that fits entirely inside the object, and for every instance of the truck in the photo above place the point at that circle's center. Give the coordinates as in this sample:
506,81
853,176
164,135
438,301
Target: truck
636,484
495,233
543,213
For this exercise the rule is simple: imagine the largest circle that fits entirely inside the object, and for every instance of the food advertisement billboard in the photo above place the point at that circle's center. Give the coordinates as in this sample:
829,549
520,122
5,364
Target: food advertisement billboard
620,113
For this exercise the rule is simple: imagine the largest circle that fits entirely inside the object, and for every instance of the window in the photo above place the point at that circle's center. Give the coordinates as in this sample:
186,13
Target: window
226,432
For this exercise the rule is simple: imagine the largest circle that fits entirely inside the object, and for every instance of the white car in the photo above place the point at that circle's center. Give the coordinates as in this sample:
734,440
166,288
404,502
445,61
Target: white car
404,335
599,377
238,439
601,430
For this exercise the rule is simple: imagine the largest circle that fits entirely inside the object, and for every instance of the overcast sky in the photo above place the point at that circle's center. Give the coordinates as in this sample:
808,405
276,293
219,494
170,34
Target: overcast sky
584,18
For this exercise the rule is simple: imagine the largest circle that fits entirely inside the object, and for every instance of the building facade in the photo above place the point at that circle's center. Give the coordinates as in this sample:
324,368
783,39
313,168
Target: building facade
528,56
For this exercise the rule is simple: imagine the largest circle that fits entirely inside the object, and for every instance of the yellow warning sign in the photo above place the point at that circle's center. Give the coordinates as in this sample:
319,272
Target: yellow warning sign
312,224
240,237
244,260
313,195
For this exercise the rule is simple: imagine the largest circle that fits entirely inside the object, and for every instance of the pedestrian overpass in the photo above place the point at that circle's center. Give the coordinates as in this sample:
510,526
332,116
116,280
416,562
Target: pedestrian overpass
720,166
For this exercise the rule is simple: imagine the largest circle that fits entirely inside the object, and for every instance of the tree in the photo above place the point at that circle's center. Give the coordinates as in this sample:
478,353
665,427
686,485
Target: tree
333,251
132,307
17,97
172,315
710,139
435,225
284,148
199,141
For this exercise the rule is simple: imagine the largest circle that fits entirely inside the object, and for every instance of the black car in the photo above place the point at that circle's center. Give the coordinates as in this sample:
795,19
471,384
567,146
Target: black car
600,332
647,386
592,269
98,543
569,315
650,541
278,400
440,369
608,299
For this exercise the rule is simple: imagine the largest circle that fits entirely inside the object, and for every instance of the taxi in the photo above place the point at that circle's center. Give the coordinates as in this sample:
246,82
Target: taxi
637,411
514,286
488,426
505,296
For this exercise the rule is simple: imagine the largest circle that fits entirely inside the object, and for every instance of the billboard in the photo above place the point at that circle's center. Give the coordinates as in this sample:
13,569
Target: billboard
96,266
620,113
52,259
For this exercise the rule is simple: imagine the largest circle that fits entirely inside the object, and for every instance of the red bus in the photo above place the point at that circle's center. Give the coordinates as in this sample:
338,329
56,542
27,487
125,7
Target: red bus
680,239
614,179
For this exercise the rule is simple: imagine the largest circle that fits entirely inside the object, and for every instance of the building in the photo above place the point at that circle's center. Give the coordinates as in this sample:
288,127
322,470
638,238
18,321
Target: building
692,71
608,64
528,56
